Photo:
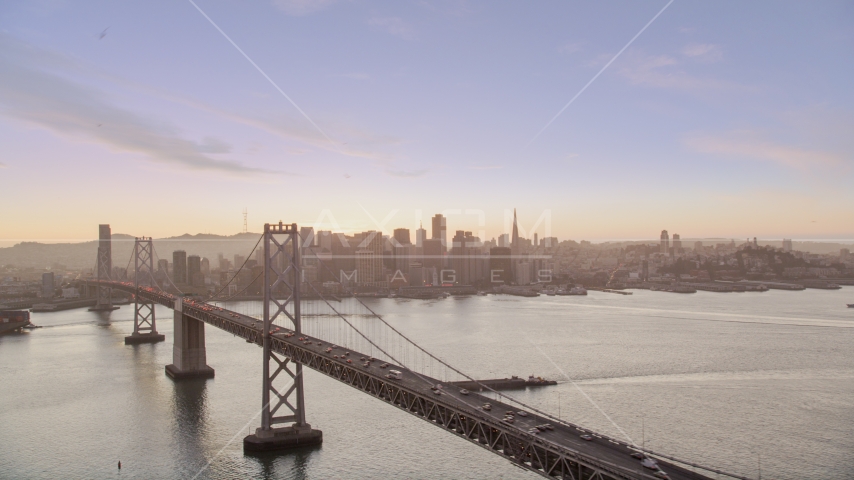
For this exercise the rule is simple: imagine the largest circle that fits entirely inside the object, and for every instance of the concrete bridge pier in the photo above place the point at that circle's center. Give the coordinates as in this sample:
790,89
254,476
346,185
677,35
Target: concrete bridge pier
188,351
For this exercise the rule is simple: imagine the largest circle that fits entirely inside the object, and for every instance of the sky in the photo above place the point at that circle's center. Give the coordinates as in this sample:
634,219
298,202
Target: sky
594,120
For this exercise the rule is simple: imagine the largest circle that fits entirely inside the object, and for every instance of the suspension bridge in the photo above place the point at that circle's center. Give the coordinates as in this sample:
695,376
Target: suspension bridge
346,340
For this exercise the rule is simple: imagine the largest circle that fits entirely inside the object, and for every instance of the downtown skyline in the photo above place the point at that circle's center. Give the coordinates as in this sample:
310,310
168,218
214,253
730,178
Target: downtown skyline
161,127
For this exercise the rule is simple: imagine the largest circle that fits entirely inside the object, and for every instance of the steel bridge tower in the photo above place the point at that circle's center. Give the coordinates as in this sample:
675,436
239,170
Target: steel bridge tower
104,269
283,276
144,325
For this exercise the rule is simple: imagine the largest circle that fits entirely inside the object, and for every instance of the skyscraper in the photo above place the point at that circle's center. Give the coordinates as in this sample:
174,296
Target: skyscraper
500,269
179,266
420,236
515,246
369,258
402,236
439,229
677,243
194,269
665,242
48,286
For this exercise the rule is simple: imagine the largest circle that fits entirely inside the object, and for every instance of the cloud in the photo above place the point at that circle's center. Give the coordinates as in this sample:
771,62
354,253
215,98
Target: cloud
751,145
486,167
664,71
2,165
354,76
394,26
406,174
33,95
302,7
703,51
570,47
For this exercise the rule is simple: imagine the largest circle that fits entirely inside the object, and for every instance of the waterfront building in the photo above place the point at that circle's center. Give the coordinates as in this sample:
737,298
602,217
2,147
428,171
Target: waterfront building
500,266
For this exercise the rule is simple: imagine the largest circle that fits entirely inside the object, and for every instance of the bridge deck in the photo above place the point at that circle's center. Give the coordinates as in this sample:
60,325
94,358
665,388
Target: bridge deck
558,453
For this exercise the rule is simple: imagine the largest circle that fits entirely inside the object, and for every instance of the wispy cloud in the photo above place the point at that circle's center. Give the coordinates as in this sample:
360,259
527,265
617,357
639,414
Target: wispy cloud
664,71
406,173
34,95
354,76
570,48
395,26
752,145
705,52
302,7
2,165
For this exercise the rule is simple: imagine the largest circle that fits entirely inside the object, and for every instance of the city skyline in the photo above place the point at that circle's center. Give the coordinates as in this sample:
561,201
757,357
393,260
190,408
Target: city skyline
699,123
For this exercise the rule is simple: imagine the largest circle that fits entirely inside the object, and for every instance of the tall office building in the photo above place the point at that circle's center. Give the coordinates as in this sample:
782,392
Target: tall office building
439,229
206,266
402,236
369,258
500,268
515,246
194,269
324,240
677,243
787,245
48,285
420,236
504,240
306,235
665,242
179,266
433,256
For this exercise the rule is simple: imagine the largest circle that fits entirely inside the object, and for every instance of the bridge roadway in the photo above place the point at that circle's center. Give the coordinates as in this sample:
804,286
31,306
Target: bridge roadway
558,453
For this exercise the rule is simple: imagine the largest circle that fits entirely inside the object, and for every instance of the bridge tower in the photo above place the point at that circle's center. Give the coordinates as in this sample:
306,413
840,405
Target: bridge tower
144,326
283,276
104,268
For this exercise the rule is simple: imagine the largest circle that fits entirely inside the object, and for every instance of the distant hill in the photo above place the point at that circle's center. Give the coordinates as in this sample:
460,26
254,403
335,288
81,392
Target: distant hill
82,254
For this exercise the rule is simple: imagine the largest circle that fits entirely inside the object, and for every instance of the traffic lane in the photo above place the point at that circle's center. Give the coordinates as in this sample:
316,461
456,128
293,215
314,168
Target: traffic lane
563,436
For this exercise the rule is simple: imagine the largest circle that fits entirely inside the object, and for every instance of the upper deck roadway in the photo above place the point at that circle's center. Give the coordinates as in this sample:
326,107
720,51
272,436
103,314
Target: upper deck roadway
557,453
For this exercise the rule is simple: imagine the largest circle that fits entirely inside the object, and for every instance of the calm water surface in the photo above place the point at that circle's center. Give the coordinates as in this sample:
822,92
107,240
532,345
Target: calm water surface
731,380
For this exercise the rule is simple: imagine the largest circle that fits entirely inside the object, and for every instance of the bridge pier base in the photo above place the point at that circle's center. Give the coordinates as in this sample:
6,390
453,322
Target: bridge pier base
284,438
139,338
189,359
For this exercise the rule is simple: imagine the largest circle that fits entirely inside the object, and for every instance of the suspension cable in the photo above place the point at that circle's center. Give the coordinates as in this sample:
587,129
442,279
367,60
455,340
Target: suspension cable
477,382
239,269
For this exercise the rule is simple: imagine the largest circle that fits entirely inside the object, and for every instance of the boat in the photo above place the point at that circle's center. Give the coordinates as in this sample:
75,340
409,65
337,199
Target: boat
13,320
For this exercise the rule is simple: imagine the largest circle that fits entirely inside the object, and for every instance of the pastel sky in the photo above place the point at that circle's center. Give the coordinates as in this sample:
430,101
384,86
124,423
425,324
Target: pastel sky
721,119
